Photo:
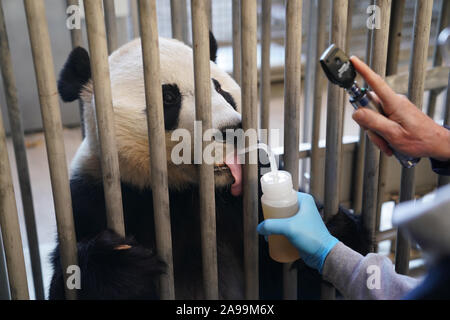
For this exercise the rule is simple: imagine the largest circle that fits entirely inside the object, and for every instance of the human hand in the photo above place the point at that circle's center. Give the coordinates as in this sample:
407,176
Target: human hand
404,127
306,231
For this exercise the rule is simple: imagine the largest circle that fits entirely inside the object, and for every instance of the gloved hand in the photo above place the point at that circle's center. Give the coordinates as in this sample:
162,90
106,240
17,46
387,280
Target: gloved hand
306,231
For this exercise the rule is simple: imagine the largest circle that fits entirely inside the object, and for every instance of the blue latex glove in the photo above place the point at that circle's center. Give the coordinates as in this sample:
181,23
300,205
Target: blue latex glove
306,231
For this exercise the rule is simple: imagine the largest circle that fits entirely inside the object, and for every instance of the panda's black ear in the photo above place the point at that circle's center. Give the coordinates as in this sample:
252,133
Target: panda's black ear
74,75
212,47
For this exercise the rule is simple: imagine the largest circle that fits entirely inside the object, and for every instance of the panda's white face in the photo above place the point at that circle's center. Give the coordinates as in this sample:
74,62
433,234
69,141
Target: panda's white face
177,78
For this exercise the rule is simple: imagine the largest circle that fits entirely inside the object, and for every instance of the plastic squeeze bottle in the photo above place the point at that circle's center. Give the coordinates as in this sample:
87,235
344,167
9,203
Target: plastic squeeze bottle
279,200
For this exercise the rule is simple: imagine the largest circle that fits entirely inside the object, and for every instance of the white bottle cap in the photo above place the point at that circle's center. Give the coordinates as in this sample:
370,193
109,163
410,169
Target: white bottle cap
276,185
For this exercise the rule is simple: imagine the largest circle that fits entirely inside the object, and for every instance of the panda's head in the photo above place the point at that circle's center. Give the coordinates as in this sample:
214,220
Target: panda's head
128,94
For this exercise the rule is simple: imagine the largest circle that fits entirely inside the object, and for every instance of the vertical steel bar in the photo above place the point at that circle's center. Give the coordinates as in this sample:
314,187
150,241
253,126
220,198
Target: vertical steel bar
178,16
51,118
250,121
105,115
311,16
311,56
358,179
202,75
9,223
338,32
265,62
157,146
444,180
351,4
443,22
76,37
236,21
133,23
395,37
111,24
380,39
335,116
292,100
348,36
4,283
316,170
15,119
209,12
417,67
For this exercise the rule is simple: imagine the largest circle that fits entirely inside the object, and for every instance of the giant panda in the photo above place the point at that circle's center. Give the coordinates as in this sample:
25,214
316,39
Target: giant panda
113,267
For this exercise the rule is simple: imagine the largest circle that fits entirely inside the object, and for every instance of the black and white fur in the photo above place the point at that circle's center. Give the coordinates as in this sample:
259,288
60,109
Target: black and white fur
116,268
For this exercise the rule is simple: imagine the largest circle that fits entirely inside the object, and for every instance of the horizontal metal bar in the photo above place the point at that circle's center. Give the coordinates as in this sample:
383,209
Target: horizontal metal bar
386,235
349,145
435,78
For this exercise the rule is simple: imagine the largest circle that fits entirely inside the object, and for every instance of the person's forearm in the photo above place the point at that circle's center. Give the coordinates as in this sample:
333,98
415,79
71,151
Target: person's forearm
441,165
364,278
441,150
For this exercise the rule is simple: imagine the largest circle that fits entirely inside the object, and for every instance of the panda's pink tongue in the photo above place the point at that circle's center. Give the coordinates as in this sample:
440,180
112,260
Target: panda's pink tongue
231,161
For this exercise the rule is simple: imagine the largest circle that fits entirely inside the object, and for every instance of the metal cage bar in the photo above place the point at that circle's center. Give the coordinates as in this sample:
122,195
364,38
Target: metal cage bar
292,101
76,37
319,81
250,121
266,38
51,118
236,35
378,59
105,115
9,224
111,24
178,14
4,283
17,133
157,147
442,23
338,31
311,15
202,75
209,13
358,177
395,37
417,68
133,19
311,12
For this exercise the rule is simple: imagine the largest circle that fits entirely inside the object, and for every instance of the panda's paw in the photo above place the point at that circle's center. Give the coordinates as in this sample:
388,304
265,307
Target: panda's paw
112,267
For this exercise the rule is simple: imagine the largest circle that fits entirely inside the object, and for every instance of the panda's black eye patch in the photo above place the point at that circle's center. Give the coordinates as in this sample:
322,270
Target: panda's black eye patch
172,105
227,96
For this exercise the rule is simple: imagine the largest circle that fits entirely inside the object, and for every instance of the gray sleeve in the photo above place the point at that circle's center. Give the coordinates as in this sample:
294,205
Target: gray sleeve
369,277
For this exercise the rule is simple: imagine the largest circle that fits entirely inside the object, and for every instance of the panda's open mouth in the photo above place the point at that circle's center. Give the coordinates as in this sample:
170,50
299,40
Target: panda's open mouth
221,167
232,164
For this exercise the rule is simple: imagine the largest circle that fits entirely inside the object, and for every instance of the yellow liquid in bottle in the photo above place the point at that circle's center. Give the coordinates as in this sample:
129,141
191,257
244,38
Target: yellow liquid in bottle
280,249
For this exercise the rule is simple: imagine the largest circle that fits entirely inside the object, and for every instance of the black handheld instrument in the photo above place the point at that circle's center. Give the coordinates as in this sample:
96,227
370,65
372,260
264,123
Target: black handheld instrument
340,71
